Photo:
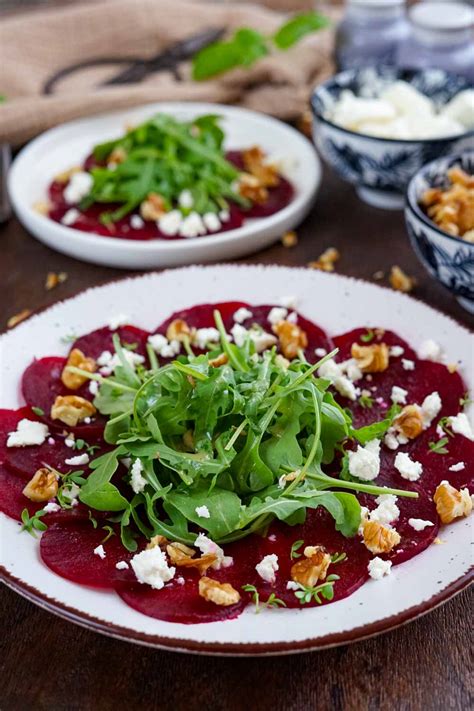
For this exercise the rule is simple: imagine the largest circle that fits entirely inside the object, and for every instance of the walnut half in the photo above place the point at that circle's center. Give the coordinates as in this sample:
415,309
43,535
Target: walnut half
409,422
42,487
218,593
451,503
312,567
73,381
292,338
379,538
371,359
71,409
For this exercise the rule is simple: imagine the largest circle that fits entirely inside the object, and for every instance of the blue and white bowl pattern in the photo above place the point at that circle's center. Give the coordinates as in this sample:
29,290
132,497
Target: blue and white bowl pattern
382,167
449,259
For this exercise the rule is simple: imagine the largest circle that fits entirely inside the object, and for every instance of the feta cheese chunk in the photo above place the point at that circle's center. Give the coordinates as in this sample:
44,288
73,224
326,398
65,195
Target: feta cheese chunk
242,315
70,217
419,524
379,568
117,321
206,545
408,468
277,314
459,467
136,222
51,507
27,434
387,509
396,351
80,185
164,348
93,387
137,480
267,568
203,512
461,425
203,336
170,223
364,463
289,302
71,493
429,350
399,395
78,461
192,226
185,199
430,408
211,222
122,565
408,364
151,567
100,551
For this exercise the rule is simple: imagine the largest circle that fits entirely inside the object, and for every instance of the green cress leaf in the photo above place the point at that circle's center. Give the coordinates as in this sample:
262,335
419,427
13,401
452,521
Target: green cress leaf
298,27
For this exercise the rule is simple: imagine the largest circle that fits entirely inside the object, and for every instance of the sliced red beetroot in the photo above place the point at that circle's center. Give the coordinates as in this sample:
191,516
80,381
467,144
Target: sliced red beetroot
318,530
9,420
41,384
369,336
179,600
436,467
278,197
25,461
68,550
95,343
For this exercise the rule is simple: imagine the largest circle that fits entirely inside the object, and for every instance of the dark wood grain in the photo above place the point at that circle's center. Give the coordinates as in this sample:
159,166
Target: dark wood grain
47,663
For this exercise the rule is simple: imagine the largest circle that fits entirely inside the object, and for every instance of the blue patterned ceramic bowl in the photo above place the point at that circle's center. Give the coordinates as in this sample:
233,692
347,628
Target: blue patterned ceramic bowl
381,168
447,258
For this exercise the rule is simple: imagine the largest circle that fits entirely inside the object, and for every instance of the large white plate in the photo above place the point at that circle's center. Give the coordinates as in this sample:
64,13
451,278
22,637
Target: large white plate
68,145
338,304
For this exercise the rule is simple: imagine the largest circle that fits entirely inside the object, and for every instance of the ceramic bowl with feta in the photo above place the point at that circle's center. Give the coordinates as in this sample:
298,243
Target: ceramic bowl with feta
378,126
164,184
234,458
439,215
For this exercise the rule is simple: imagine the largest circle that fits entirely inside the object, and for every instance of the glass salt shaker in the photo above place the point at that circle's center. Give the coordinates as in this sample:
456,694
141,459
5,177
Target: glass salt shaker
370,33
440,37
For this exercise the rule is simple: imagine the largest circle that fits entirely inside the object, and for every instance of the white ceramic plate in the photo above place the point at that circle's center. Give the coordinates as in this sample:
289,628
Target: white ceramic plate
337,303
69,144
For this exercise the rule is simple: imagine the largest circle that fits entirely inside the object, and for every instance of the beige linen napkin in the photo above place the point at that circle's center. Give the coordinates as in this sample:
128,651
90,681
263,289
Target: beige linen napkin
34,46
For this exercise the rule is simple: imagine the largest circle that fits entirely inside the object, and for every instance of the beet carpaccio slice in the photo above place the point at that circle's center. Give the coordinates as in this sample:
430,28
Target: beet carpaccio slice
9,420
41,384
95,343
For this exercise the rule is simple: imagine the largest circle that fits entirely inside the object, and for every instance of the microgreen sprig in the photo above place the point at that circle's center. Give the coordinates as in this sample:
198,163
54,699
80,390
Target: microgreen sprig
271,601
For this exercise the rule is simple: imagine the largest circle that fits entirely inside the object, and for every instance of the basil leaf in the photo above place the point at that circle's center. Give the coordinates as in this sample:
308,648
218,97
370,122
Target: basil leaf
298,27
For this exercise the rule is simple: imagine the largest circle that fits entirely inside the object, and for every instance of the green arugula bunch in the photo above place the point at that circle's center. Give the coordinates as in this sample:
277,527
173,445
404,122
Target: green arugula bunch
225,438
165,156
248,45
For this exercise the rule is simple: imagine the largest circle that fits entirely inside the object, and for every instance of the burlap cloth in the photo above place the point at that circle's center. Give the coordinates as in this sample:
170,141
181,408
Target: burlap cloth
34,46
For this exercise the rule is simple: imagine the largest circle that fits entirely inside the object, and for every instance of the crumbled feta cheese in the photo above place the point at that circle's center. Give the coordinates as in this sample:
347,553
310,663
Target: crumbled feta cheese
387,509
137,480
27,434
51,440
239,334
211,222
70,217
320,352
69,442
206,545
117,321
151,567
352,370
293,317
203,512
379,568
399,395
459,467
170,223
93,387
346,388
419,524
408,364
78,461
203,336
408,468
261,339
164,348
109,362
277,314
186,200
391,440
396,351
180,580
429,350
364,516
292,585
192,226
71,493
329,370
136,222
461,425
289,302
364,463
430,408
335,373
224,215
242,315
122,565
51,507
80,185
100,551
267,568
282,481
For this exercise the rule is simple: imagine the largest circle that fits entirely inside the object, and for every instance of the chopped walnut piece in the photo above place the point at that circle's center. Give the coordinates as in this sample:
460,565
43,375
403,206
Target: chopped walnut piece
251,188
42,487
18,318
71,409
401,281
153,207
458,176
305,123
118,155
66,175
292,338
289,239
178,330
183,556
409,422
379,538
42,207
73,381
53,280
179,551
452,367
254,163
452,208
378,275
373,358
326,260
311,568
451,503
221,359
157,541
218,593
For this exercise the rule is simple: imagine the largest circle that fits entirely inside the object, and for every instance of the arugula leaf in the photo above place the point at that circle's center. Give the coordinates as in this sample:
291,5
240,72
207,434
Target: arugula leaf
439,447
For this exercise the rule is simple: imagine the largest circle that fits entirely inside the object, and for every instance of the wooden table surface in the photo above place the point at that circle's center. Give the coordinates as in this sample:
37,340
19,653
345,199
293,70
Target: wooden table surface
46,663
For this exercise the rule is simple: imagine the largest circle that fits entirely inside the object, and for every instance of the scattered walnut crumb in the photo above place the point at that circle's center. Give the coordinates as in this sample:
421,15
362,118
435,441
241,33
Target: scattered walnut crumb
312,567
371,359
18,318
305,123
42,207
451,503
53,280
118,155
289,239
251,188
378,275
452,367
291,337
71,409
218,593
326,260
221,359
77,359
439,541
153,207
254,163
401,281
409,422
379,538
452,209
42,487
157,541
178,330
66,175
